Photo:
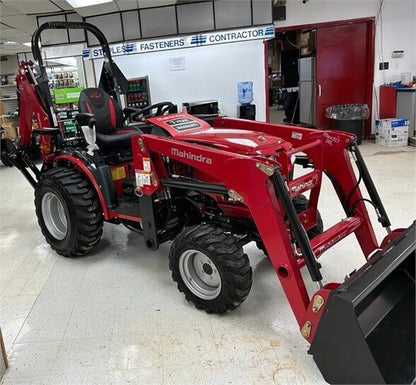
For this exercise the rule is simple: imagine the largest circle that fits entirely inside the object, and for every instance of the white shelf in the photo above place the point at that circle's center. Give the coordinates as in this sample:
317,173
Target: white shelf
8,116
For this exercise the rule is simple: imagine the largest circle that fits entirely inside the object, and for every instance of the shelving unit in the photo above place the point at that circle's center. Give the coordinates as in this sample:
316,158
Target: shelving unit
65,84
64,79
9,119
138,94
8,98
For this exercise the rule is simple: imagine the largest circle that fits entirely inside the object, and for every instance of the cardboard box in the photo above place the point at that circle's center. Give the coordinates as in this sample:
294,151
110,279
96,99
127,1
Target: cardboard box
388,131
392,132
391,140
391,122
9,124
401,142
10,132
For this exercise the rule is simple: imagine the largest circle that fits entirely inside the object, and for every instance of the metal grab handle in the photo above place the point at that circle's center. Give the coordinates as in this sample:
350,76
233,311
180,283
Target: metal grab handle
68,25
319,91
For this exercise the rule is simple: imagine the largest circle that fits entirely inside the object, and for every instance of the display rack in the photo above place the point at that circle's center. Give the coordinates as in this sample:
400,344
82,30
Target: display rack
8,96
65,86
63,79
138,94
9,118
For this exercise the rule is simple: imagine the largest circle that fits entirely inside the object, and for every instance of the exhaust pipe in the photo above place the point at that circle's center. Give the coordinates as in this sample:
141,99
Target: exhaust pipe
367,331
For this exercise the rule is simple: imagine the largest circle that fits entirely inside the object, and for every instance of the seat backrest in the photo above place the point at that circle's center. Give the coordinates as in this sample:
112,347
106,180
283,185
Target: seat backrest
107,111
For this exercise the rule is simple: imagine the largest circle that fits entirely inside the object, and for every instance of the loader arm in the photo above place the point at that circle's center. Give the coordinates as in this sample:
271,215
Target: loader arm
266,191
329,151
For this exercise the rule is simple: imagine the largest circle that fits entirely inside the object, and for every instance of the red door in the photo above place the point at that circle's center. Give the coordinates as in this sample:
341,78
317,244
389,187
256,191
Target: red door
344,67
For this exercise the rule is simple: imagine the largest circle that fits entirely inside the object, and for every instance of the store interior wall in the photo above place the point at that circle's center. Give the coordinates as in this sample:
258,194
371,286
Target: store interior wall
211,72
395,30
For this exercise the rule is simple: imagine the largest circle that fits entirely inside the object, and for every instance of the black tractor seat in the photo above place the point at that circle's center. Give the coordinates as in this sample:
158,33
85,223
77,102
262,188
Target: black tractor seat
113,133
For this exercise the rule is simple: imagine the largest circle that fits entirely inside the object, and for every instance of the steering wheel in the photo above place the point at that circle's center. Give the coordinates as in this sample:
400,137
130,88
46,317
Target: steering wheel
161,109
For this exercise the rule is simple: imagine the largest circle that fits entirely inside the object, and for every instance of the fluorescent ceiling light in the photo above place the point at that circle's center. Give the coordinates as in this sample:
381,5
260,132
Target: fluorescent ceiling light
86,3
8,42
27,44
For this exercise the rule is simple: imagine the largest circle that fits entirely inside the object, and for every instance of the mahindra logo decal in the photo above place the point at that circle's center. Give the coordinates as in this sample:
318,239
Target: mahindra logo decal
191,156
302,186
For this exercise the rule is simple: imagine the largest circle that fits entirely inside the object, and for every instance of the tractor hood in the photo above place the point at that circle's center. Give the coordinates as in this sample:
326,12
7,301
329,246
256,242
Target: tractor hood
238,141
188,128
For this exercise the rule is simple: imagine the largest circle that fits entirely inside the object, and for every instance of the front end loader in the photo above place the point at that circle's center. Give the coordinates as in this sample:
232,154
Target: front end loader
211,189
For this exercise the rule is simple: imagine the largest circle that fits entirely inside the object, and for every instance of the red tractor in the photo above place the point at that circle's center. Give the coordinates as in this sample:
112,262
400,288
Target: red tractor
212,189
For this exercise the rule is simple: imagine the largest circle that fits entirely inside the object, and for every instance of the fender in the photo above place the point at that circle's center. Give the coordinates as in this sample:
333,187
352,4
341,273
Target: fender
80,165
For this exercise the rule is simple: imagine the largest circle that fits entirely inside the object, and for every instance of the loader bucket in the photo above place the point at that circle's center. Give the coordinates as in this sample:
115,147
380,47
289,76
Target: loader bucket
367,331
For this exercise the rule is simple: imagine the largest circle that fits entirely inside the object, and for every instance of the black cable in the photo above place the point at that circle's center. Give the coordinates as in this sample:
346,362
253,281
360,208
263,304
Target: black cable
364,200
130,227
357,184
355,187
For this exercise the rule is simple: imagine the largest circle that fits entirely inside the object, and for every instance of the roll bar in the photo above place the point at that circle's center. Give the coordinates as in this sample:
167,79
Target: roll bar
68,25
115,81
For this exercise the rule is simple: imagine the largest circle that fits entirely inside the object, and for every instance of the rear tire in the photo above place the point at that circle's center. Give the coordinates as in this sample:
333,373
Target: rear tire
210,268
68,211
301,204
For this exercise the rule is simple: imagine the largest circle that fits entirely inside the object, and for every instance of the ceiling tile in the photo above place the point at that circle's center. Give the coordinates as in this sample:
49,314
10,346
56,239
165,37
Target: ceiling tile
23,23
13,34
13,49
124,5
4,27
32,6
154,3
63,4
7,11
97,9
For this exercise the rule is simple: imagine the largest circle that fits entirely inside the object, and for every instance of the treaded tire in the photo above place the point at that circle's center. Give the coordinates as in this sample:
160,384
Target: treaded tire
230,265
301,204
78,217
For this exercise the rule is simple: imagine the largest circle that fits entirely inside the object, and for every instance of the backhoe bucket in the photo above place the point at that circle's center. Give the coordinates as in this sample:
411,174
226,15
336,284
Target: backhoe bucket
367,331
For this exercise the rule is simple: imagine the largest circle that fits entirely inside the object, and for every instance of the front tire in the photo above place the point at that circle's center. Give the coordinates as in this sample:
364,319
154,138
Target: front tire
210,268
68,211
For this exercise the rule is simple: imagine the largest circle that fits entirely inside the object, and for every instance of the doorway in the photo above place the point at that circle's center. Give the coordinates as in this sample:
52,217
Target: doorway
286,87
311,67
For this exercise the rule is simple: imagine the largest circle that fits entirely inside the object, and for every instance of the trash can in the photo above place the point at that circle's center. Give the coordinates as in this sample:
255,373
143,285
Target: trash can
349,118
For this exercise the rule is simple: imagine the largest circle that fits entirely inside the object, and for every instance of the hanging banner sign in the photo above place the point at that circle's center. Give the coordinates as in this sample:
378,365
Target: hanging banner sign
200,40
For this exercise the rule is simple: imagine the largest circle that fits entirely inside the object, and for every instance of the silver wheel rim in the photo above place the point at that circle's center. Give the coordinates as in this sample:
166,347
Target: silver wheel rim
54,216
200,274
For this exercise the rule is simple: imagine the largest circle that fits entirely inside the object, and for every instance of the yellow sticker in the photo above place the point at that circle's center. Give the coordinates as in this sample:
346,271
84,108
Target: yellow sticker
118,173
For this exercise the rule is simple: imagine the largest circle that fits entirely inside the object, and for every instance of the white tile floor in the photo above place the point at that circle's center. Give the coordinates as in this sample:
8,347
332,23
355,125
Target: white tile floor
116,317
